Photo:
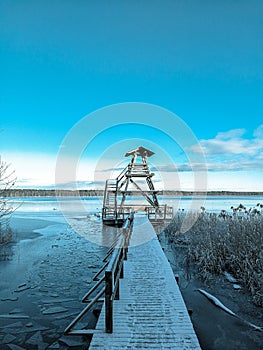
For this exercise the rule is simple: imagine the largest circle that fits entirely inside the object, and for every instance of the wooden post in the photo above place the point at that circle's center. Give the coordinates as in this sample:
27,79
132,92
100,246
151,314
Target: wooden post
108,302
126,242
125,252
117,294
122,263
116,284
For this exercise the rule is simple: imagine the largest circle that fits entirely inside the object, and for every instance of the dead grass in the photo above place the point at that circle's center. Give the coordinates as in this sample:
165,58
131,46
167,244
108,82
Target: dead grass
231,243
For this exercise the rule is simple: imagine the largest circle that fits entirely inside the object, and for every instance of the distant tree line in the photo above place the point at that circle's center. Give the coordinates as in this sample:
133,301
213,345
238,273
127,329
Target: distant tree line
31,192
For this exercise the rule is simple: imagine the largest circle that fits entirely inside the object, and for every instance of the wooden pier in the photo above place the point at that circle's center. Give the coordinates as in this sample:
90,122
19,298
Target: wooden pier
150,312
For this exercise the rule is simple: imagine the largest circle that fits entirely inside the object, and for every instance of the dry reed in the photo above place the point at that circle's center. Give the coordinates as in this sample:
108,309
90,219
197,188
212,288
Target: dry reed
225,243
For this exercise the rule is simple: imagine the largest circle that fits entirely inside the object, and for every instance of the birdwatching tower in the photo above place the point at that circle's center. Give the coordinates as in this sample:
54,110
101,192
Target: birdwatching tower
137,174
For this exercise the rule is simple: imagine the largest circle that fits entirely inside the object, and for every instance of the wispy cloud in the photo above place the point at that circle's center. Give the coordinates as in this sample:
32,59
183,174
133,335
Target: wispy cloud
234,166
232,150
72,185
228,153
110,169
184,167
234,142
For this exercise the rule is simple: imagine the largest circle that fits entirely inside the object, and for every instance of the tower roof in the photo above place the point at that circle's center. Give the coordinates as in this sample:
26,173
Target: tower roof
139,151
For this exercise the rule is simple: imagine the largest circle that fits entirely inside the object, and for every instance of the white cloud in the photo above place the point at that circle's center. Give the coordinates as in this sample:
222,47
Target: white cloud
258,133
232,147
234,133
234,162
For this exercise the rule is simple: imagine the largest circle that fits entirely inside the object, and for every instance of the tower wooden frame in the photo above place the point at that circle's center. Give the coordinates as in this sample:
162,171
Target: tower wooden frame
114,209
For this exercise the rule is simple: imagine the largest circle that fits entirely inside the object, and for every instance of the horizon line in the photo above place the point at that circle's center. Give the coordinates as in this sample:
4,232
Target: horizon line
257,192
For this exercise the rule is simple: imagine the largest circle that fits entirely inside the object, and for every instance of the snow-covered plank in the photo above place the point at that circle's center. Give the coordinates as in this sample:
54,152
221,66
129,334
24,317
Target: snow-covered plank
151,313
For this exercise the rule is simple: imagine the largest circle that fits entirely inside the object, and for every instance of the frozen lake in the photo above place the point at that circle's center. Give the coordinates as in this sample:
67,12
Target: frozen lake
51,265
82,214
91,205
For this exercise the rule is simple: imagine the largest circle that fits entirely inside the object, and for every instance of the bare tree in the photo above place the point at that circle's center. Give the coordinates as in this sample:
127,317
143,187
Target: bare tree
7,181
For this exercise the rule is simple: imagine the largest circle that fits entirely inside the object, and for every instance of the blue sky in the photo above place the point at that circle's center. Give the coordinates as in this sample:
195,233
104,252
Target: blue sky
202,60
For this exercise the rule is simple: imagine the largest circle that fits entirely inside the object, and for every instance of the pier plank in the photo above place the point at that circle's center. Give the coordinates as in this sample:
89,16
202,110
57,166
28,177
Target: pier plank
151,313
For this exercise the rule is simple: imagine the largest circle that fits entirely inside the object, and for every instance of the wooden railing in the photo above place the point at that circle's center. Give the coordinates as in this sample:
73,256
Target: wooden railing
113,271
162,213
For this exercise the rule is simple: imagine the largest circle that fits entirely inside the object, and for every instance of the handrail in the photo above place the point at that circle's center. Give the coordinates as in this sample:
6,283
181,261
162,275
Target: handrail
95,278
84,311
121,175
86,296
162,213
113,272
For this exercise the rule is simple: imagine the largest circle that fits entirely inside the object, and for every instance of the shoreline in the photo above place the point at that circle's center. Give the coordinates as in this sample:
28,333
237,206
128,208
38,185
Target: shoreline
23,230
